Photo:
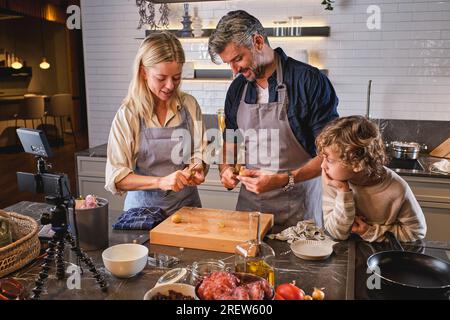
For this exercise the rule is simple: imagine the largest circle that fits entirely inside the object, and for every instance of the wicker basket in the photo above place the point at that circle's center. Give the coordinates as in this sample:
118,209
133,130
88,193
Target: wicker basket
26,247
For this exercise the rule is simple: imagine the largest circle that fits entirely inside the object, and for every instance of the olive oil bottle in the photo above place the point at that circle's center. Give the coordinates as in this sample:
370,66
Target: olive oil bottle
255,256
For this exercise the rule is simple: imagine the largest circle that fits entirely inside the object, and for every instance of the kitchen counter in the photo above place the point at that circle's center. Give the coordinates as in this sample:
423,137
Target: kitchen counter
342,275
331,274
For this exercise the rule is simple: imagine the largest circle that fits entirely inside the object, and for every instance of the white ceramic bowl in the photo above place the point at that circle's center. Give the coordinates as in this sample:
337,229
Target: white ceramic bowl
185,289
125,260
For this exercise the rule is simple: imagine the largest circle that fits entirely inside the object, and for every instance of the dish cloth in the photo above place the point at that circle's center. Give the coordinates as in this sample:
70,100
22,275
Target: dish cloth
304,230
442,166
144,218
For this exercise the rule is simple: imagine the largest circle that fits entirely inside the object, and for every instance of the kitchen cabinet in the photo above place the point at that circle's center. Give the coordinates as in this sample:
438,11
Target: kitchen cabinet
214,195
433,195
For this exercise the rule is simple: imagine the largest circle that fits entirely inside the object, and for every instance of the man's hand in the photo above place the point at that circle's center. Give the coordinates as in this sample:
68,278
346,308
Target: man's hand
360,226
228,177
257,181
340,185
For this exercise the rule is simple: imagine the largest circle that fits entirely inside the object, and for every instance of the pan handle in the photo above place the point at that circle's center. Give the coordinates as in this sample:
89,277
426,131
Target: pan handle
395,244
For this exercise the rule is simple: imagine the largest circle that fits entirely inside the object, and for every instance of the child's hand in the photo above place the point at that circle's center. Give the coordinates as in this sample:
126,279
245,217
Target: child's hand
340,185
359,225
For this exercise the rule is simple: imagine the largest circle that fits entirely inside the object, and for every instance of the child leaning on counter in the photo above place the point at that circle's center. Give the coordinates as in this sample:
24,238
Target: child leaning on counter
360,194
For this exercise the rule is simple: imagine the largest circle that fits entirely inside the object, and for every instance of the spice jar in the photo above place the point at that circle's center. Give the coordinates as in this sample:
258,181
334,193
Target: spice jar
203,268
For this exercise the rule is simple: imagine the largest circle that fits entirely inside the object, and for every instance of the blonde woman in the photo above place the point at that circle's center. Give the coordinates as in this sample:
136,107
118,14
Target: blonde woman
360,194
143,158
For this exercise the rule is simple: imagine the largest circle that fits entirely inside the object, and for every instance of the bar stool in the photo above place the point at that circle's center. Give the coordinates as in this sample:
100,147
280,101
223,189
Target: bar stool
32,108
61,106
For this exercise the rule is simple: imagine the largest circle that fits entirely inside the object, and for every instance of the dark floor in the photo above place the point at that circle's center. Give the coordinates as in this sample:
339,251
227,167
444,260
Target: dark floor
63,161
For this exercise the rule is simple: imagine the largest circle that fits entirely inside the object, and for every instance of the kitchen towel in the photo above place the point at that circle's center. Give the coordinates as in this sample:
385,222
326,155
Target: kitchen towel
304,230
144,218
442,166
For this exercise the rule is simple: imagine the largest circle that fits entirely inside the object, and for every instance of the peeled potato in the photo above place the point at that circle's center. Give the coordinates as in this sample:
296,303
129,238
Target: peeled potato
175,218
242,171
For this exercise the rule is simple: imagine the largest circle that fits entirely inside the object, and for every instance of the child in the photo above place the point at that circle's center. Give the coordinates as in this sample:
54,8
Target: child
361,195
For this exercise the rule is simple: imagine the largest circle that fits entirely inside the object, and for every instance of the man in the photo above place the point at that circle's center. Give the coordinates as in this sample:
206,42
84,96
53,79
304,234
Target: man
275,93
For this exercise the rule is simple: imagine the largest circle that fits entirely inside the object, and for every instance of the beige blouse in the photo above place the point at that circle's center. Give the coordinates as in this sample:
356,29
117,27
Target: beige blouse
124,138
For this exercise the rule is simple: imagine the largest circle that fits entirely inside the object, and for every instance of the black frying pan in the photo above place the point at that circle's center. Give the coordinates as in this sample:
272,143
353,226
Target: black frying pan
412,270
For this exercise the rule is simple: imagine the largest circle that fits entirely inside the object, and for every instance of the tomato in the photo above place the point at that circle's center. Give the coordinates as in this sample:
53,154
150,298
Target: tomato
289,291
278,297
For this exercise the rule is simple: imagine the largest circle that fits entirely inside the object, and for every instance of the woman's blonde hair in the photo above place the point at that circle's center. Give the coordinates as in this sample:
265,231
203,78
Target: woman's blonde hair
358,143
158,47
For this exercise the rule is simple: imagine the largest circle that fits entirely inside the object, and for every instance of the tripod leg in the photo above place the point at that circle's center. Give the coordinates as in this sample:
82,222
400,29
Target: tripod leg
43,275
88,261
60,266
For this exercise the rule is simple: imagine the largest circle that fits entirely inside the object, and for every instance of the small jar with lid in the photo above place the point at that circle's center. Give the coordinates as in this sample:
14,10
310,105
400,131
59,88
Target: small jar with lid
203,268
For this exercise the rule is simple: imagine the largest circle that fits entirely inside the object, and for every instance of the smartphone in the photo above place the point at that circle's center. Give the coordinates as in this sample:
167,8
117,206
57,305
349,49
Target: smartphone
162,260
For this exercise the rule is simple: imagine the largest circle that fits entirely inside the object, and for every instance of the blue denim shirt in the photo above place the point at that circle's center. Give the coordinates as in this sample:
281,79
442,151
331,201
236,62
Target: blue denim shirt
312,99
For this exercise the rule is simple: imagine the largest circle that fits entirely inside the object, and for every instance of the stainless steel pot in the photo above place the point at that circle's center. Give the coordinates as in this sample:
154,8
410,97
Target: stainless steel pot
404,150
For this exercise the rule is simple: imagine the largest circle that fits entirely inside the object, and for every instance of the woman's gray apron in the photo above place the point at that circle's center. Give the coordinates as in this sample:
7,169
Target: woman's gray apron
304,201
154,159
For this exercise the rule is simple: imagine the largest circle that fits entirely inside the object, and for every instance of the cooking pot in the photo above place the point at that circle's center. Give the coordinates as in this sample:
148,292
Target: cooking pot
404,150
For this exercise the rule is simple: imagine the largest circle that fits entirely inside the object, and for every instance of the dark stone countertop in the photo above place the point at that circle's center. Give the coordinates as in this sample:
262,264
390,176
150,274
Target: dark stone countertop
98,152
343,275
330,274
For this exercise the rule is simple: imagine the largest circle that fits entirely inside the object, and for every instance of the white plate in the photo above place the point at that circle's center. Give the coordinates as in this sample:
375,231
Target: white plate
312,249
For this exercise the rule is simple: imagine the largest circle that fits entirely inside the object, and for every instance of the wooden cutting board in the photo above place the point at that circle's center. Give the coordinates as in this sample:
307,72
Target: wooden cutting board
442,150
208,229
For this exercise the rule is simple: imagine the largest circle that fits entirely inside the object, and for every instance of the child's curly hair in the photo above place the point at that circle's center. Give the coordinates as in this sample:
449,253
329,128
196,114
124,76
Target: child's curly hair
358,142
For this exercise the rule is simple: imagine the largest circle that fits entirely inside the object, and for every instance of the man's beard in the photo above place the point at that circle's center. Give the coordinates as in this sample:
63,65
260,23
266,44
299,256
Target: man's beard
259,69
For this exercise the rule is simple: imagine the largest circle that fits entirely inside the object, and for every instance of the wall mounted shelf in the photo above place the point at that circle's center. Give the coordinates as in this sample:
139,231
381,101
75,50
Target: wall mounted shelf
11,72
271,32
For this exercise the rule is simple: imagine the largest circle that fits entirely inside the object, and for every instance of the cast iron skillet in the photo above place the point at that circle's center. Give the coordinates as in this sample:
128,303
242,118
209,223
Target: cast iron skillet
405,269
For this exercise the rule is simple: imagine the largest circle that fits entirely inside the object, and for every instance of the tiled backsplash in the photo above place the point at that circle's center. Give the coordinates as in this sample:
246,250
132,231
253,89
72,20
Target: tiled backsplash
407,58
429,133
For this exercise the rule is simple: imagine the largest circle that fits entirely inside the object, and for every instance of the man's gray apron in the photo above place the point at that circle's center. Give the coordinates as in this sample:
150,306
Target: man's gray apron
154,159
304,200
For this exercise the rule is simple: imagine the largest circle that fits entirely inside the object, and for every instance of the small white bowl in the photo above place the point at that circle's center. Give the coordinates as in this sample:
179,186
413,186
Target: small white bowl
184,289
125,260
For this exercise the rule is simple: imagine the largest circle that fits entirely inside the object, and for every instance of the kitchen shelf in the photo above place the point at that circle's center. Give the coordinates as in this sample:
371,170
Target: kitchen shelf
303,32
11,72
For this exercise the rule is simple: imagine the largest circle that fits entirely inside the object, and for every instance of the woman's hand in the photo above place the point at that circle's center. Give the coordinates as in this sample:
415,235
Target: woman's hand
174,181
360,226
340,185
196,174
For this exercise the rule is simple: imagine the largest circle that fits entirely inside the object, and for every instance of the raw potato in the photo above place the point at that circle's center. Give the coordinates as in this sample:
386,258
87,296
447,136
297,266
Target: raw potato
176,218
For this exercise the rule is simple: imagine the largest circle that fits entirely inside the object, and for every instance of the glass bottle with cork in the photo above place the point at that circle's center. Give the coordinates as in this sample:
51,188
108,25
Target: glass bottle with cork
255,256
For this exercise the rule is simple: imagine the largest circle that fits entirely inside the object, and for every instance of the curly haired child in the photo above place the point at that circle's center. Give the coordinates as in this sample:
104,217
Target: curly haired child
360,194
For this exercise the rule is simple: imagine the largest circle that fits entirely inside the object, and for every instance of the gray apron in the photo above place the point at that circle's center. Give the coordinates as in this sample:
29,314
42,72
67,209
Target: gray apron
154,159
304,201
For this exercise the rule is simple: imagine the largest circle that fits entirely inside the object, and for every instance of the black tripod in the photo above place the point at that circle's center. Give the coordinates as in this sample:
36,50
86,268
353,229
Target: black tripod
57,217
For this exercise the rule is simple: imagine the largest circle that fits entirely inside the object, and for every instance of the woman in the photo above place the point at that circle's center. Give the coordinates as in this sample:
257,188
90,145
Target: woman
156,140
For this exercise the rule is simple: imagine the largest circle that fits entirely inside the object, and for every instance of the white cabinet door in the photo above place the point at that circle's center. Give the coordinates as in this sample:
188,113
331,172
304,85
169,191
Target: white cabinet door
437,216
214,195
